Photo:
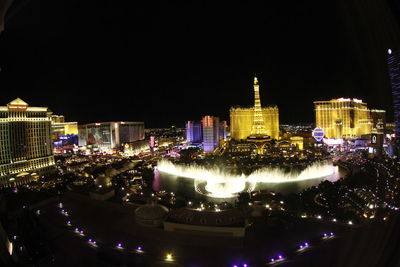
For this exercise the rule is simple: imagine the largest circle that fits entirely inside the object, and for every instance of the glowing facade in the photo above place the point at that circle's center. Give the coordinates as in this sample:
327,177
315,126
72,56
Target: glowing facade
378,120
59,126
258,128
25,142
223,126
297,141
63,133
109,135
344,118
394,73
194,132
255,120
211,132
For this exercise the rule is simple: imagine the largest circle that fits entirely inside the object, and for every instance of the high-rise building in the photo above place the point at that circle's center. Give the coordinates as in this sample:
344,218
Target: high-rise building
63,133
25,142
394,74
223,127
194,132
211,131
109,135
345,117
378,121
256,120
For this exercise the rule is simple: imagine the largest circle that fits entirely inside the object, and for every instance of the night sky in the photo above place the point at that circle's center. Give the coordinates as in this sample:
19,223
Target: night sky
165,63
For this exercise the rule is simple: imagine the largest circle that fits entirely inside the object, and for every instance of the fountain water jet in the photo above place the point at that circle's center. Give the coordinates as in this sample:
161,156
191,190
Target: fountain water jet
217,183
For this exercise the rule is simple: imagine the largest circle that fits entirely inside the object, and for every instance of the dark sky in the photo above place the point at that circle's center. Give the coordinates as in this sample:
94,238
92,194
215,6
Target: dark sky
165,63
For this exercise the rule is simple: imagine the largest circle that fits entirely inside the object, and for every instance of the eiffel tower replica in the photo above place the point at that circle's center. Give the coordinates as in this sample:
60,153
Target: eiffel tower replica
258,134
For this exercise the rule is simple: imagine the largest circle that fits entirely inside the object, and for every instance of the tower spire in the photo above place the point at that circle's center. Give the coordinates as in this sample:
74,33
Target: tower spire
258,127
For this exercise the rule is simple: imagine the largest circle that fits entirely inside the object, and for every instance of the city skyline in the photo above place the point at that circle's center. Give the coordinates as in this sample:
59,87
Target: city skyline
242,134
152,64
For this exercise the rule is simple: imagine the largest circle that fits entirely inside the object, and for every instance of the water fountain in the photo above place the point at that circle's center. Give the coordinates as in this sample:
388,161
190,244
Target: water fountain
217,183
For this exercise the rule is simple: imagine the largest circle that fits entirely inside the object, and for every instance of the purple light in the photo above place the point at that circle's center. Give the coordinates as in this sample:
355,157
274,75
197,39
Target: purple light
235,265
245,265
301,246
331,233
119,245
306,244
139,248
280,256
272,260
325,234
76,229
90,240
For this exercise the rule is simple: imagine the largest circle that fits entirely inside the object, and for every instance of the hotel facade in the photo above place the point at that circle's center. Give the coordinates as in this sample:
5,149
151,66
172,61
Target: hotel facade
211,133
62,132
25,142
109,135
348,118
242,122
254,121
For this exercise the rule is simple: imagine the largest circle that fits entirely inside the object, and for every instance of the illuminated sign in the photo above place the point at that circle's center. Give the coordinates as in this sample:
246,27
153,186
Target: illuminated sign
374,138
318,134
18,107
333,142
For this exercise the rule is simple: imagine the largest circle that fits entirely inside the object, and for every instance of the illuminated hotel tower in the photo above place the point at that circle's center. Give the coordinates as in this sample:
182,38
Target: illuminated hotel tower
211,132
25,142
194,132
346,118
394,73
258,128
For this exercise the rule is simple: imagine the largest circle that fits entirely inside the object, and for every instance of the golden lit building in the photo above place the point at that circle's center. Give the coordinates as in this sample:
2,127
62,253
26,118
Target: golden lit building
60,127
297,141
246,122
25,142
344,117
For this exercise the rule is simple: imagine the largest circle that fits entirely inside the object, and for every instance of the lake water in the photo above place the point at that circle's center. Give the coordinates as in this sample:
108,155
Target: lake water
182,181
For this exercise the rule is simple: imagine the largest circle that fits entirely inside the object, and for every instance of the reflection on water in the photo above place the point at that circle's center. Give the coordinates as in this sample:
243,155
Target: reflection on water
156,181
217,183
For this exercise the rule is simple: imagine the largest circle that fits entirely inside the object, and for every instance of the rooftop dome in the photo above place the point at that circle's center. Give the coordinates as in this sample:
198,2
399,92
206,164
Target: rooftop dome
151,214
151,211
103,180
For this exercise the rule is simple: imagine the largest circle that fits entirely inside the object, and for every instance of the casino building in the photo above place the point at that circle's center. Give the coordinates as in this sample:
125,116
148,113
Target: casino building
63,133
211,131
348,118
109,135
244,120
25,142
194,132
